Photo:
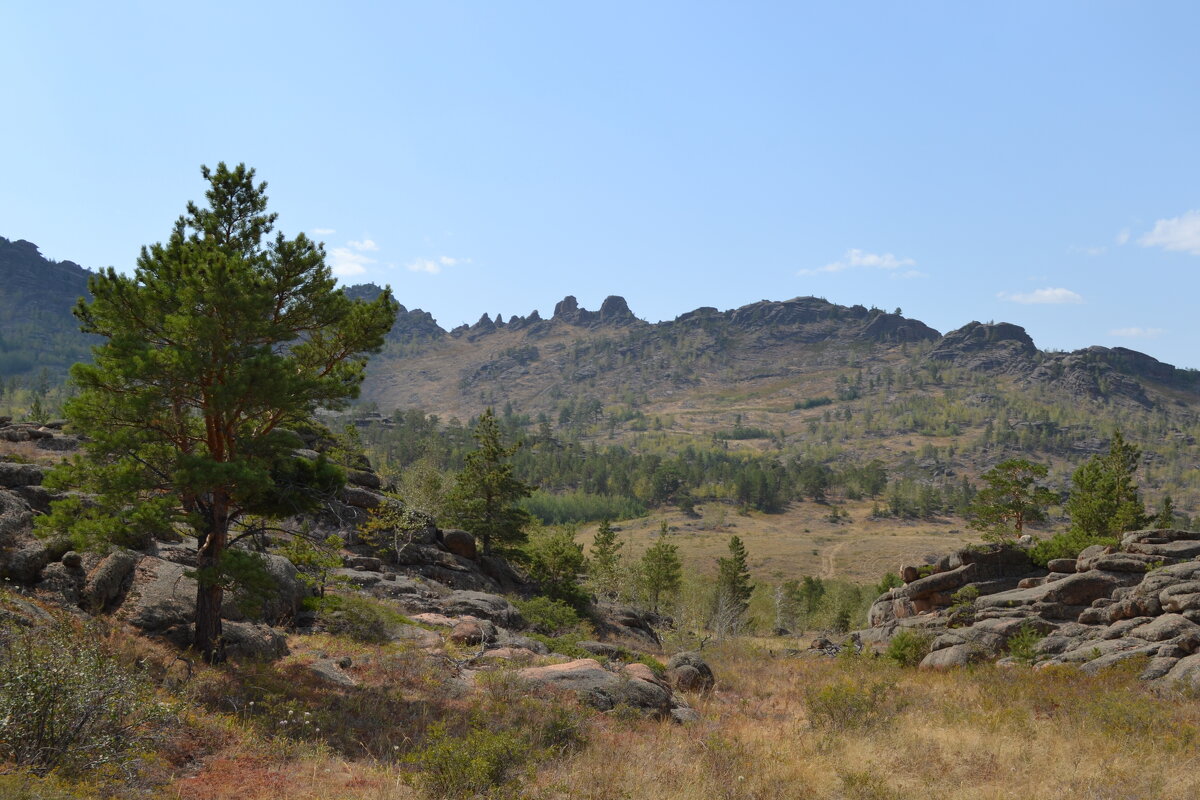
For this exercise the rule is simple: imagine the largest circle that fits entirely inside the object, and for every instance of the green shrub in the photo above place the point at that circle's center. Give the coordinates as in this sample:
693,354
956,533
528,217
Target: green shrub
356,617
908,648
547,616
1023,644
471,765
889,581
1066,545
847,705
68,705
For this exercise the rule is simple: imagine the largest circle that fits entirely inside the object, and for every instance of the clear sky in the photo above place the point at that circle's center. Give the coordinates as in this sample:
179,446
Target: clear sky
1034,162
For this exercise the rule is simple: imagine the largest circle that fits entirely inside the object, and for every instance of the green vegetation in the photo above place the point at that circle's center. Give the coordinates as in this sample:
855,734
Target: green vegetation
67,704
1010,500
359,618
548,616
483,500
1105,500
580,506
660,570
1104,503
604,566
1023,644
219,340
731,599
907,648
556,562
846,705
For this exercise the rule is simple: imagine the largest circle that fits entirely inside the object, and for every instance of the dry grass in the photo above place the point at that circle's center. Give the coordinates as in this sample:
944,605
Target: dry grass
986,733
799,542
775,727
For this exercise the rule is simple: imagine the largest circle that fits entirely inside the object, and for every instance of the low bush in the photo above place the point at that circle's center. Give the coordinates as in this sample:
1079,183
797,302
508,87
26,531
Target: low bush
908,648
847,705
357,618
472,765
1066,545
1023,644
67,704
547,616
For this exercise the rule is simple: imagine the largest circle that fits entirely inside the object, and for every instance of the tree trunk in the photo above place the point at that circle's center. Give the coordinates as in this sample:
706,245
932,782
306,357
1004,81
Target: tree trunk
209,589
209,640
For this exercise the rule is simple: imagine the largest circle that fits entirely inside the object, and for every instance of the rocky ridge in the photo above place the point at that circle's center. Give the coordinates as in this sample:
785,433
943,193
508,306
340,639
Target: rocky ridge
1108,605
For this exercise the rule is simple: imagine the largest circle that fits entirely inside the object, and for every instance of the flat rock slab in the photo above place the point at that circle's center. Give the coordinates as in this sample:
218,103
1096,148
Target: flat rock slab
1182,549
599,687
1079,589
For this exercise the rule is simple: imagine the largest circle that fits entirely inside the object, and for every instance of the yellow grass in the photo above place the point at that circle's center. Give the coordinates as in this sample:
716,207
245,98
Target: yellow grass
986,734
800,542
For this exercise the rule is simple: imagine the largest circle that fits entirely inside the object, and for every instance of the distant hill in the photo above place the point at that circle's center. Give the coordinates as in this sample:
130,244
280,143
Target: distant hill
612,356
802,378
37,329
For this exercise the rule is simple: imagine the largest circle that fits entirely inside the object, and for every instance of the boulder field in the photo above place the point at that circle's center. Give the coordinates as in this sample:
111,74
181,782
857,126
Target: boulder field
1110,604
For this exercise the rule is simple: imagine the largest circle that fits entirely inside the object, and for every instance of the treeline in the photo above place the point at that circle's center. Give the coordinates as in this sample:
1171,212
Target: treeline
586,482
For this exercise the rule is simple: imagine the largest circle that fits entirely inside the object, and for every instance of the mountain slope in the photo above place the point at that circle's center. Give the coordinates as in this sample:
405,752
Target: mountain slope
803,377
37,329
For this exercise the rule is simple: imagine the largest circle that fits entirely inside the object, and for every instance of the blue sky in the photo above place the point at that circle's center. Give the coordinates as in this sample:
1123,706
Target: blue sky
1030,162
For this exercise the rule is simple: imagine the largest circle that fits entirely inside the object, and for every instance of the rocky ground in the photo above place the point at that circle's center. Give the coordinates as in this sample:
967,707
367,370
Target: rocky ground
1111,604
452,596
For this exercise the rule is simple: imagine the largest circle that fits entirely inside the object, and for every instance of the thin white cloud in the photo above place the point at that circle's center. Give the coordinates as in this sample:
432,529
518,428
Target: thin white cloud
365,246
1137,333
858,258
434,266
1178,234
322,231
1048,296
1122,236
345,262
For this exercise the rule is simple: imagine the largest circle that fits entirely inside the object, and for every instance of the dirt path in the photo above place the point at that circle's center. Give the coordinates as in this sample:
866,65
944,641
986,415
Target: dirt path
829,560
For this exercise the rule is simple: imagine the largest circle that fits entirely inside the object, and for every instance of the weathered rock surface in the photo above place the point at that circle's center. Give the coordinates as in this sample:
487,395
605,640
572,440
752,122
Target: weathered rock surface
690,672
460,543
603,689
1105,607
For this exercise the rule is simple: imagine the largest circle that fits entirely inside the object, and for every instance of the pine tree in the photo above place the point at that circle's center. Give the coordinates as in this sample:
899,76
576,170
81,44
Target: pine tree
733,592
604,567
1010,500
1104,499
733,574
219,341
661,571
484,498
1166,514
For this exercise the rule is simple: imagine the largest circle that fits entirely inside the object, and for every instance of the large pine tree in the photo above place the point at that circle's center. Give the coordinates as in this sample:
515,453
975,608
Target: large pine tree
220,339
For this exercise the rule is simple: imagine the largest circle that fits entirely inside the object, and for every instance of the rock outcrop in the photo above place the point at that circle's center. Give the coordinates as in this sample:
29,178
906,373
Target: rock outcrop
1108,605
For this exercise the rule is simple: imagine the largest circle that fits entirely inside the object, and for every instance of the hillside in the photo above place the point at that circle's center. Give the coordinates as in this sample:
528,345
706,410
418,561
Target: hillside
37,330
806,378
